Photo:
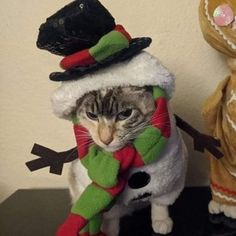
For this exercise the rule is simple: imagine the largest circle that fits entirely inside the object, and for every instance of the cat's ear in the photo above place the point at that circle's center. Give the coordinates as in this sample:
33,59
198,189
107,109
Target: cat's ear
86,99
79,102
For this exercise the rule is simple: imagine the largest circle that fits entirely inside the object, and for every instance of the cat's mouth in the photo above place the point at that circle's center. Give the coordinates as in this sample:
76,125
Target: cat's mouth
110,147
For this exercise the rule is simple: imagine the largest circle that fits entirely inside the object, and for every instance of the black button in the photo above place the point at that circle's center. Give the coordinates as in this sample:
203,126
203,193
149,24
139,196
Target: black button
139,180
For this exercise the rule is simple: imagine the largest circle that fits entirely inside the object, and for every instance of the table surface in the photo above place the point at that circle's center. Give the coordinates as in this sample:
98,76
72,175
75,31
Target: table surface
38,212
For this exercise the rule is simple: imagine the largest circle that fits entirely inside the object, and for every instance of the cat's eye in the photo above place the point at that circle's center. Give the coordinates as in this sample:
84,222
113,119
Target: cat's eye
124,114
81,6
92,116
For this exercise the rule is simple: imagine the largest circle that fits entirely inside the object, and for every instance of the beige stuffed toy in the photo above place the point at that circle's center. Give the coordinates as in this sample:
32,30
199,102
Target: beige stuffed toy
218,24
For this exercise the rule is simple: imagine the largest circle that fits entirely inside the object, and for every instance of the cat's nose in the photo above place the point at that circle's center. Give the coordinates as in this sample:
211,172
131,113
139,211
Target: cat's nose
106,135
106,139
106,132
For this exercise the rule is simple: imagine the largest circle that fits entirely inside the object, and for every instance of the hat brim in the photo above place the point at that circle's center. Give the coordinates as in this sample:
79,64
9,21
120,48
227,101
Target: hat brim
136,45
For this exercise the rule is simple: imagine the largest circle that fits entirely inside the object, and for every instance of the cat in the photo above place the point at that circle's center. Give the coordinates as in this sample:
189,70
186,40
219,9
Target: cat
114,117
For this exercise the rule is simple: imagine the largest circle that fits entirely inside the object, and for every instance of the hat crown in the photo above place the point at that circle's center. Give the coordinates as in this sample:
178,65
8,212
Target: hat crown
77,26
84,26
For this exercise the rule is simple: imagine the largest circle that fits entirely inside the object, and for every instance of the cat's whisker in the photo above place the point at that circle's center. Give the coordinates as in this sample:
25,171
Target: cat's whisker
85,144
160,116
163,113
75,150
150,125
140,126
140,129
82,132
68,156
83,136
88,141
162,123
133,135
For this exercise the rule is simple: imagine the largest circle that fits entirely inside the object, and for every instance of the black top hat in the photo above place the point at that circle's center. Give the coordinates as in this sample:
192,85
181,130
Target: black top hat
85,32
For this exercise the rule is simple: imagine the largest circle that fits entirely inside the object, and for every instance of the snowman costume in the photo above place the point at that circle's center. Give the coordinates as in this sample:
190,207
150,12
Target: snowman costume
159,183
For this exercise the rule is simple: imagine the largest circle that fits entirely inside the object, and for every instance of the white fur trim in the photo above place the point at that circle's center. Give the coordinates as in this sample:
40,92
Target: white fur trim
143,69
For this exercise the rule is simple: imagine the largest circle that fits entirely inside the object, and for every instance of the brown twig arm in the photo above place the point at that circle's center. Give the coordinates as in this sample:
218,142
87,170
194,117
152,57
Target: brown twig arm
47,157
201,141
55,160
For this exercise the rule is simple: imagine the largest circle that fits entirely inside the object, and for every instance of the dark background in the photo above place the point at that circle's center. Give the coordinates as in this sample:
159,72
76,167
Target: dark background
39,213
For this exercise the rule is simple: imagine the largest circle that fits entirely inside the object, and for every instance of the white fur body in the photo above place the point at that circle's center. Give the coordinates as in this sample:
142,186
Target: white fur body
167,181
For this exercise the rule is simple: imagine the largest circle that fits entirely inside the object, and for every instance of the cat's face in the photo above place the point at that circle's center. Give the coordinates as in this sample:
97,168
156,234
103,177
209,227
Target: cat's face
115,116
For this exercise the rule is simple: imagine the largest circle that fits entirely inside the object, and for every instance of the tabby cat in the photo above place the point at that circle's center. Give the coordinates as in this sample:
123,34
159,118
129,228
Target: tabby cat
114,117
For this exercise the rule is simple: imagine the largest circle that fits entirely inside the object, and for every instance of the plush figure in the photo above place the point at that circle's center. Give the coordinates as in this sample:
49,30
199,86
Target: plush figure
218,23
130,150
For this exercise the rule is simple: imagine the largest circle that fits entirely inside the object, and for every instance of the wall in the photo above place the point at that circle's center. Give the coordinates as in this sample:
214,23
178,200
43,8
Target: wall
25,114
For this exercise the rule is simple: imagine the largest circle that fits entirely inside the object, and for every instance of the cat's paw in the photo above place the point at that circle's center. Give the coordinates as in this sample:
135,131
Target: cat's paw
214,207
162,226
229,211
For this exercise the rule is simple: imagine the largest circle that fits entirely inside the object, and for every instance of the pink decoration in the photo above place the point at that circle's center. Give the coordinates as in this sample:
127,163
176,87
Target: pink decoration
223,15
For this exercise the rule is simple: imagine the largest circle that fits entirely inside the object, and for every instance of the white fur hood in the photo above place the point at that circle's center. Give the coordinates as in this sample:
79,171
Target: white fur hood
142,70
